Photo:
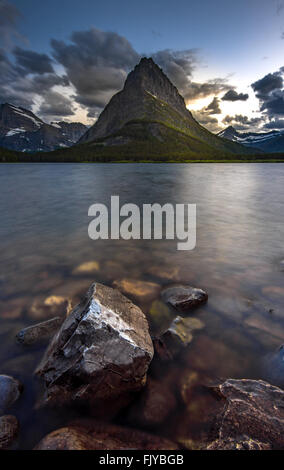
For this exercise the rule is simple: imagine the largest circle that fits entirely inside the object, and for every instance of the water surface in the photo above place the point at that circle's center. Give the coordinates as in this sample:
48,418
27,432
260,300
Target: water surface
238,260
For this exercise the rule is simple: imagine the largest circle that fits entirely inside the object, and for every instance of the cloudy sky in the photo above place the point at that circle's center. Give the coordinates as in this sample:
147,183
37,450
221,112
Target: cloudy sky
65,59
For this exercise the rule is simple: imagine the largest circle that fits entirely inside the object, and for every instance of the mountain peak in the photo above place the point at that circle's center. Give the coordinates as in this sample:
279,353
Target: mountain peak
146,95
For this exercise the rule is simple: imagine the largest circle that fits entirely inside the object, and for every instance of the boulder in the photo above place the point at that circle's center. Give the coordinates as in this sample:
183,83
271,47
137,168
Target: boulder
10,391
253,413
9,428
141,291
180,333
92,435
184,298
102,350
35,333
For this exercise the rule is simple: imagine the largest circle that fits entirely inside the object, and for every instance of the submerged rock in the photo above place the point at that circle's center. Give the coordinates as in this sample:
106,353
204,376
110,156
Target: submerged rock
142,291
155,404
160,315
102,350
9,428
161,352
92,435
48,307
184,298
10,391
171,273
180,333
89,267
273,367
34,333
253,413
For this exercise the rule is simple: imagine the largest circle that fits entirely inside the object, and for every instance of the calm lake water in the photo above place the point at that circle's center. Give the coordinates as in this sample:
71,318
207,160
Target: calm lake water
239,260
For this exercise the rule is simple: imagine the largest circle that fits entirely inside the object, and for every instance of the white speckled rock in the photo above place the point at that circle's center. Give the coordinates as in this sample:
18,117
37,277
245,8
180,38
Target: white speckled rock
102,350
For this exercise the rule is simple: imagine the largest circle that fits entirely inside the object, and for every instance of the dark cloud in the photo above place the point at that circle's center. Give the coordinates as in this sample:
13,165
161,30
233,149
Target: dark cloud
206,120
177,65
232,95
9,16
8,95
96,63
33,62
275,124
269,90
241,122
40,84
8,71
269,83
55,104
204,115
274,104
214,106
197,90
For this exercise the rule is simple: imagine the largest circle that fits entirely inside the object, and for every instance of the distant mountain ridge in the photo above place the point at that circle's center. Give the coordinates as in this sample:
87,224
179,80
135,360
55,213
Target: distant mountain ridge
149,115
268,142
22,130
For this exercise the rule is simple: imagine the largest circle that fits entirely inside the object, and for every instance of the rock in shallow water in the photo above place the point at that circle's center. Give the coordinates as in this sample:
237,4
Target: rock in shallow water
142,291
156,402
180,333
34,333
102,350
253,413
9,427
184,298
10,391
91,435
46,307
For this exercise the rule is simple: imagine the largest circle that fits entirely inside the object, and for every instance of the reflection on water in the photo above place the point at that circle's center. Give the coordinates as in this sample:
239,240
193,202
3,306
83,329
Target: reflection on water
238,260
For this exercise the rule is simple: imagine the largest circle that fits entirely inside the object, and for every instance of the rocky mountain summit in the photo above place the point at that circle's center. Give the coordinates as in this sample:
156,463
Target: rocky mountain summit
268,142
150,110
21,130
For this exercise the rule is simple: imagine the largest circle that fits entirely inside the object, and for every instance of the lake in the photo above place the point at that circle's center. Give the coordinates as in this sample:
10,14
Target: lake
238,260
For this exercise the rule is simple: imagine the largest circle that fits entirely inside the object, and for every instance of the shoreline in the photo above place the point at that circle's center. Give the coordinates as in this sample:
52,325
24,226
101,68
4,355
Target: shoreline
148,161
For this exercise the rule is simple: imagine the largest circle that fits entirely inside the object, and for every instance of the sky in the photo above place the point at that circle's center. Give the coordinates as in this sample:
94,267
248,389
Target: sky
65,59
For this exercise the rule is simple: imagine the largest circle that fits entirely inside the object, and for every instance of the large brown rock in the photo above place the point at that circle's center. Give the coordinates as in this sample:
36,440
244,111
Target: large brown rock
91,435
253,415
102,350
